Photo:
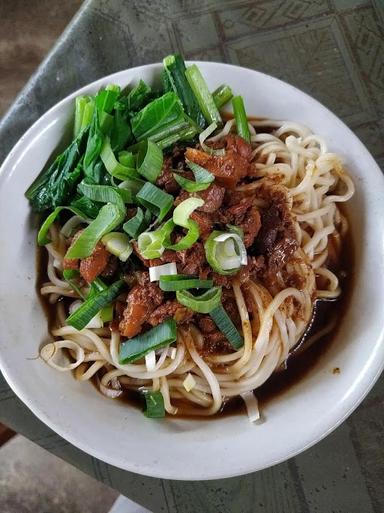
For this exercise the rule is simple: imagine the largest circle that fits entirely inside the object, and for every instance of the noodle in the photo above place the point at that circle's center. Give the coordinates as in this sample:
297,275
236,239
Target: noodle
294,162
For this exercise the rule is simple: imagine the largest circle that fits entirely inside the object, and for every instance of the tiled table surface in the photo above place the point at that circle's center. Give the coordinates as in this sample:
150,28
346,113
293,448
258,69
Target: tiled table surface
332,49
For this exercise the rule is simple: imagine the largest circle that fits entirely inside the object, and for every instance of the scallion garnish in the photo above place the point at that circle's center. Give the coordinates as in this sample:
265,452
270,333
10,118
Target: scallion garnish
110,217
154,405
81,317
113,166
181,218
201,304
202,94
241,118
127,159
105,193
203,178
156,271
42,236
170,283
226,326
160,336
138,223
225,252
152,244
155,200
118,244
149,160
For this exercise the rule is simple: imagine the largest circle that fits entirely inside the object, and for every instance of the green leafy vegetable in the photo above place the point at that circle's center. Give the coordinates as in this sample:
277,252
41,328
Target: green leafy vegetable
202,94
56,185
175,68
89,208
241,118
222,95
138,96
160,118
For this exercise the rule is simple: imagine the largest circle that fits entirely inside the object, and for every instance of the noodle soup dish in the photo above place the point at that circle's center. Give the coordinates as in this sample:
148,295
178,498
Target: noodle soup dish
197,252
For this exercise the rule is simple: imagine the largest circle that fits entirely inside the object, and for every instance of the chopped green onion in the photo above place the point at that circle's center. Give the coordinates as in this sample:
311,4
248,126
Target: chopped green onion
190,185
222,95
175,68
154,402
126,158
70,275
203,178
42,236
201,304
152,244
188,240
113,166
202,94
170,283
156,271
236,229
241,118
109,217
149,160
118,244
184,210
181,218
106,313
225,252
160,336
138,223
226,326
105,193
132,184
81,317
155,200
200,173
219,152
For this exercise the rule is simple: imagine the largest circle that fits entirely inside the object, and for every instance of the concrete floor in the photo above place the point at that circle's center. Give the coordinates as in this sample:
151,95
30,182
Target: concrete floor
28,30
24,467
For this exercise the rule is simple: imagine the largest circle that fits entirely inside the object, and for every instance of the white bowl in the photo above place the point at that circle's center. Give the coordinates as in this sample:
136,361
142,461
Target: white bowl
194,449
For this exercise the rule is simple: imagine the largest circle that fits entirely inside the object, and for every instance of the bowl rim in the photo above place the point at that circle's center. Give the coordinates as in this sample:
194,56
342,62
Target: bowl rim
142,468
